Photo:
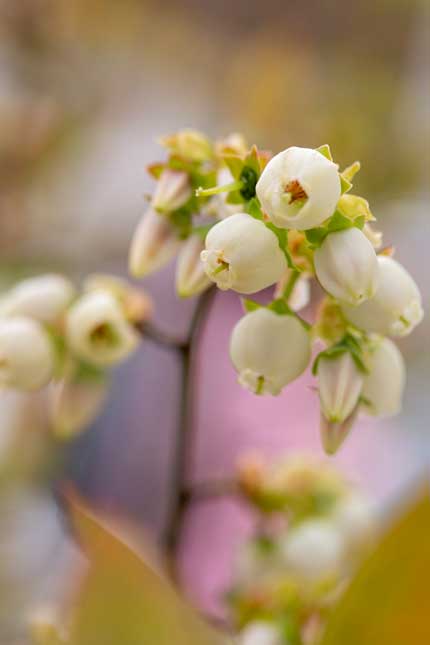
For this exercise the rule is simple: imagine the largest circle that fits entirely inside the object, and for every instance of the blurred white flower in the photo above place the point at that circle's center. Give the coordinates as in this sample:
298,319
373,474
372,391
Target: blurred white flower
314,550
135,303
269,350
74,405
189,144
354,517
243,254
44,298
154,243
340,383
260,633
384,385
173,191
97,330
299,188
27,357
395,309
347,267
191,278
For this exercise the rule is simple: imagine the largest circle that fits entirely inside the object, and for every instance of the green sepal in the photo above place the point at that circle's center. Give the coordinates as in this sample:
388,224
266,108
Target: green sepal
249,178
345,185
88,373
235,165
253,208
182,220
325,151
347,344
282,235
155,169
250,305
337,222
349,173
280,307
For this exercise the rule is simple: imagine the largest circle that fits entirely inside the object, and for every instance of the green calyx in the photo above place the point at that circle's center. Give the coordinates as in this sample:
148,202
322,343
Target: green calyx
348,344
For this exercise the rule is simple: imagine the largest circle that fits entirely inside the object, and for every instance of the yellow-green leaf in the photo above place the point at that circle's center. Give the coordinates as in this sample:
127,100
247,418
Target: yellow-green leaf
388,602
123,601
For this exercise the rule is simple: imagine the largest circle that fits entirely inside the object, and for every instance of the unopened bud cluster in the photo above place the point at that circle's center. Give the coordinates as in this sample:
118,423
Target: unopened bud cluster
313,529
54,338
245,220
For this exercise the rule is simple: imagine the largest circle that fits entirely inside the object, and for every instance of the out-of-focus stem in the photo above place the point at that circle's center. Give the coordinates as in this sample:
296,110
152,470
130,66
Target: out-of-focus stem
185,436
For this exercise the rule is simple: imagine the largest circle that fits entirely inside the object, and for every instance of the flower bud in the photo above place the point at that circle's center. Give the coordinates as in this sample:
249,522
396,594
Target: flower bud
299,188
334,433
191,278
395,309
75,405
260,632
383,386
242,254
97,330
269,350
44,298
154,243
347,267
189,144
314,550
173,191
340,384
27,357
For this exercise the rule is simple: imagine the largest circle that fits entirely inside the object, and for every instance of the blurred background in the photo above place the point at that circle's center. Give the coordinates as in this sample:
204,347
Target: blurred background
85,90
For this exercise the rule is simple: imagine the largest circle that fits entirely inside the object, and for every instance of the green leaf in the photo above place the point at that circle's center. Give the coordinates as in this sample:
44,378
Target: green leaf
325,151
123,601
388,601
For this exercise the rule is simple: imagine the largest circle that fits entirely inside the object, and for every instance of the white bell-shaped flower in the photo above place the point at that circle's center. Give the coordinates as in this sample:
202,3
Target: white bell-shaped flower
354,517
191,278
340,383
243,254
384,385
260,632
314,550
27,356
347,267
299,188
97,330
396,307
269,350
44,298
154,244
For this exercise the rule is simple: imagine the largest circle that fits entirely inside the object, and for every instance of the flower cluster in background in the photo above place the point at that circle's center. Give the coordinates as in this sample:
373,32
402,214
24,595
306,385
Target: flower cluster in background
55,339
313,528
246,221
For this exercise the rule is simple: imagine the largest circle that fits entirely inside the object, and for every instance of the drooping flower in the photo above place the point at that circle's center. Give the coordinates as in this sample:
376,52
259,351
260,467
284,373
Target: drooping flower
191,278
269,350
395,309
43,298
97,330
27,356
242,254
74,405
346,266
299,188
154,244
383,387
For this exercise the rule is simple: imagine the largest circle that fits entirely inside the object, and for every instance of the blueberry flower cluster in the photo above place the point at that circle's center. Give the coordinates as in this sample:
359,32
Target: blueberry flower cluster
312,530
246,221
54,339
